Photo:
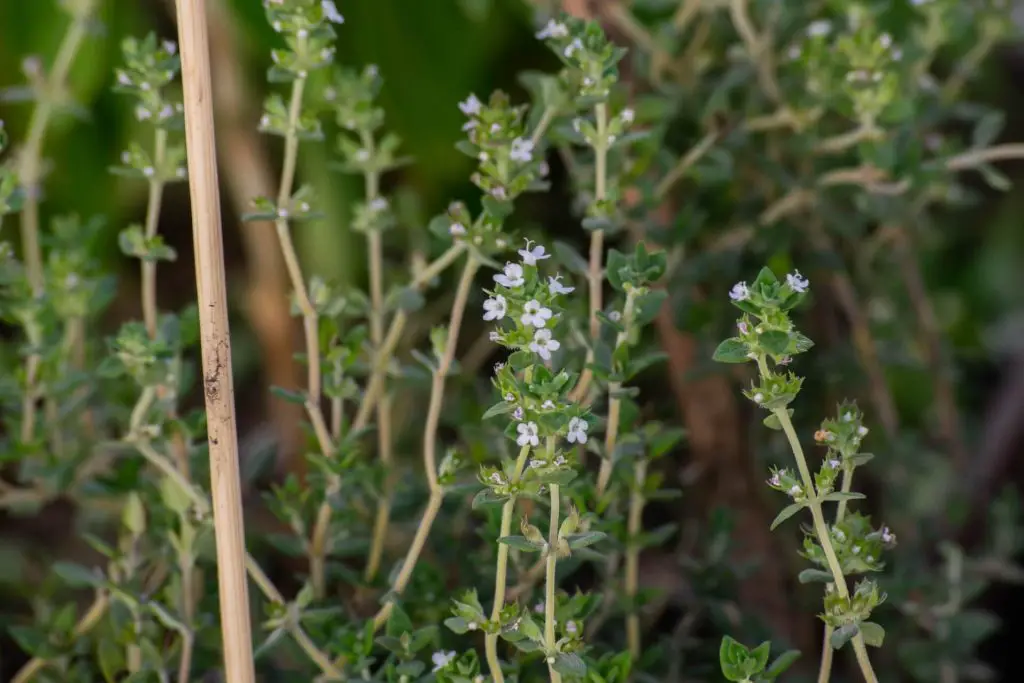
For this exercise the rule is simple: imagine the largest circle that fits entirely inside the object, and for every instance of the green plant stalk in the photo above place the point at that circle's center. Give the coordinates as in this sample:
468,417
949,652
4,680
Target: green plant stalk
319,545
31,158
430,437
154,201
384,436
550,578
595,272
611,435
634,526
820,527
29,166
501,569
825,670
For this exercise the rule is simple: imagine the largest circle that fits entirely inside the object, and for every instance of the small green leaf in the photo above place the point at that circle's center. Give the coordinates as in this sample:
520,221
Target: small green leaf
398,623
815,576
519,543
585,539
296,397
732,350
75,575
873,634
786,513
499,409
781,663
759,658
457,625
569,664
775,342
842,635
772,421
836,496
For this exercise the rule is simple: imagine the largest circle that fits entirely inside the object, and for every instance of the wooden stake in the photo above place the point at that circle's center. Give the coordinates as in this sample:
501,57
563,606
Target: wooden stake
216,342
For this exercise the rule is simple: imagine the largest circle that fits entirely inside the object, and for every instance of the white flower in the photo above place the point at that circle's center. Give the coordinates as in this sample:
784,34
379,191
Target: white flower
535,314
331,12
797,282
628,115
795,490
493,336
548,405
834,464
887,536
570,627
774,481
527,434
123,79
532,255
470,106
495,308
170,47
512,276
142,113
557,287
885,40
848,416
819,28
758,397
553,29
862,430
742,327
577,430
543,344
517,414
442,659
379,204
572,47
522,150
739,292
457,230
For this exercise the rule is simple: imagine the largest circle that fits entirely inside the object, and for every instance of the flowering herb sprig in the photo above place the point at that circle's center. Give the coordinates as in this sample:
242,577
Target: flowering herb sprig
766,334
527,306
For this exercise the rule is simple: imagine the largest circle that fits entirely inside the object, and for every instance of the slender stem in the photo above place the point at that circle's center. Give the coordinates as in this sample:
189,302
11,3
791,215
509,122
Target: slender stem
634,525
595,273
550,578
820,527
501,568
384,437
687,161
825,670
430,435
319,543
30,161
757,47
611,436
156,192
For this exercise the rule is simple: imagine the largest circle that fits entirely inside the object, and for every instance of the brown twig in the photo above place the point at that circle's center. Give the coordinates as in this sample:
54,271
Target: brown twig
215,342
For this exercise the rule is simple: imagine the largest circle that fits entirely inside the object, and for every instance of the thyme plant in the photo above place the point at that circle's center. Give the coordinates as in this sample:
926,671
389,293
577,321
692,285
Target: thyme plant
536,475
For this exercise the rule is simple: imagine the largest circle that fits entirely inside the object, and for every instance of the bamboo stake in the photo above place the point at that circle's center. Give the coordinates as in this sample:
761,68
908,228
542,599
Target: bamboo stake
215,338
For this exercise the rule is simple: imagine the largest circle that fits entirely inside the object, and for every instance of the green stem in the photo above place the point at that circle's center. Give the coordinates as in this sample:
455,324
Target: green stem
611,436
550,573
384,437
501,569
825,670
595,273
820,527
634,525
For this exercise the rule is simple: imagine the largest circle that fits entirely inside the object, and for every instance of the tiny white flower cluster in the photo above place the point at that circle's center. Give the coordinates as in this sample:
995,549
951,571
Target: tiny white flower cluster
534,314
797,282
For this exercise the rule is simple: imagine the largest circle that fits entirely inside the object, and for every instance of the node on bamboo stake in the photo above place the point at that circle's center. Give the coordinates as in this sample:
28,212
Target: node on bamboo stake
216,342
